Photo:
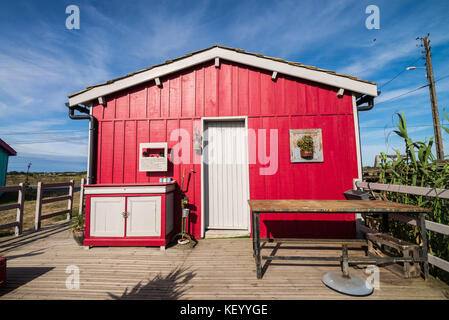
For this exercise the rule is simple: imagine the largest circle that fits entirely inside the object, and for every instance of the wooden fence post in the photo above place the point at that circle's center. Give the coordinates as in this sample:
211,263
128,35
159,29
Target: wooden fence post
70,204
37,217
19,216
80,210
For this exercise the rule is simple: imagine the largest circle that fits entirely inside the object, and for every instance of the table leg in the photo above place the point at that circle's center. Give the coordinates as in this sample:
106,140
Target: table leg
257,244
423,230
345,261
253,221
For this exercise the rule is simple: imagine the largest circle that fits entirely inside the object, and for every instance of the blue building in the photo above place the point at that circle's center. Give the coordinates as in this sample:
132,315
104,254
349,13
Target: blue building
5,152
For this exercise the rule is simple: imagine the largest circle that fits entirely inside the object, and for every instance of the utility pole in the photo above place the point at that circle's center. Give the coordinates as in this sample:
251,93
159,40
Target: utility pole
433,100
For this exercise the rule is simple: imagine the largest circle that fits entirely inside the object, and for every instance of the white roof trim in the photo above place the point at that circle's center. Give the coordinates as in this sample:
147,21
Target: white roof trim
230,55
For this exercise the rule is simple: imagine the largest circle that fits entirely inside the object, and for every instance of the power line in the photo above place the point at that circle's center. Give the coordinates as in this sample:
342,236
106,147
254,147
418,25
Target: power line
411,91
386,83
404,94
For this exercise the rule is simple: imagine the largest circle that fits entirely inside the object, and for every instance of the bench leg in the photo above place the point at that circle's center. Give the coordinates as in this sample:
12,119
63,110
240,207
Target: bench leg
423,230
345,262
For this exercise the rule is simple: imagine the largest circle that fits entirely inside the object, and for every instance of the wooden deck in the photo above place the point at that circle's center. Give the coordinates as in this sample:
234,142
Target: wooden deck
214,269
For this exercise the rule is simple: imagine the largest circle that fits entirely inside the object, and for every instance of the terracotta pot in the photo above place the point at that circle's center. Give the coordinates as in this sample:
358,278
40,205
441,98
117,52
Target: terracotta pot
306,153
79,236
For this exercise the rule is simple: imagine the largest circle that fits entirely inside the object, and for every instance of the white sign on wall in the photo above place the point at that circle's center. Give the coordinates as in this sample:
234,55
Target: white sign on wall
153,157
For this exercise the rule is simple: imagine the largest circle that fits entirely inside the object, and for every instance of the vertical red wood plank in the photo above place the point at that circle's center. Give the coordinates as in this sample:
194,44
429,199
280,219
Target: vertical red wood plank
97,112
199,92
130,152
157,134
312,101
243,94
154,102
165,98
172,140
107,146
119,138
286,168
254,92
187,126
195,218
235,90
267,94
272,187
344,104
279,95
302,98
138,103
188,93
158,131
299,172
109,110
225,89
122,107
291,97
330,103
210,91
175,97
257,181
143,136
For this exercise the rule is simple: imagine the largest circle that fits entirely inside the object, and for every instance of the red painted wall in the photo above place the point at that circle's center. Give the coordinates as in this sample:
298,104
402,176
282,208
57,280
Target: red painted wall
147,113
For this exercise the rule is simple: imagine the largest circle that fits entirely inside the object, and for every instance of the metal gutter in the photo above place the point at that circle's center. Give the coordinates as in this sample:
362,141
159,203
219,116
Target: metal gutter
92,136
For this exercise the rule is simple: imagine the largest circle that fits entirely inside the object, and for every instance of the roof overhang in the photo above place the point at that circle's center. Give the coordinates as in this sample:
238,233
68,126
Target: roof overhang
7,148
358,86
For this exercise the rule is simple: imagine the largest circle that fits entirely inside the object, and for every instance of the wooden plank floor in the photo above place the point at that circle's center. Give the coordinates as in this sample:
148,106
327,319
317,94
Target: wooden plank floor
214,269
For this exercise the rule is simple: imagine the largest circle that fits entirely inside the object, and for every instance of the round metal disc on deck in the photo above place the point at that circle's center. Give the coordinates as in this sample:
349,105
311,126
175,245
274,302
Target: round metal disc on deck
352,285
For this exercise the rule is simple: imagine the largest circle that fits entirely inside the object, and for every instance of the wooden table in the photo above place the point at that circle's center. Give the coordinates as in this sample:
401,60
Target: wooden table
336,207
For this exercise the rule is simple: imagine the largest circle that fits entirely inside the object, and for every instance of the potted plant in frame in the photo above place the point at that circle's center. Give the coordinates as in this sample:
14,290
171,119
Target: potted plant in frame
306,146
78,228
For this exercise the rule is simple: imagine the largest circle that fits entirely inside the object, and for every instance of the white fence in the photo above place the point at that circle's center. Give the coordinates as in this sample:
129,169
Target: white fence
41,187
18,224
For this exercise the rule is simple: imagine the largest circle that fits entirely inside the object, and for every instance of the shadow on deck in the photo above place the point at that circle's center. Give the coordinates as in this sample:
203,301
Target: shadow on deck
47,265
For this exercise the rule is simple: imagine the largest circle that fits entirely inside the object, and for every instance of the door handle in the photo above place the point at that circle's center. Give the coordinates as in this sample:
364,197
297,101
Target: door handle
125,214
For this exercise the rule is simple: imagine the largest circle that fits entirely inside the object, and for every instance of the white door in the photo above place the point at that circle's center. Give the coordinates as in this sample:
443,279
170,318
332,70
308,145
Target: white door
226,175
144,218
106,217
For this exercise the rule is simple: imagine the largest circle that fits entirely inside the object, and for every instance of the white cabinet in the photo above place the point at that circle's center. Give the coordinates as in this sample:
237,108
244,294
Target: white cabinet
106,219
130,214
139,216
144,216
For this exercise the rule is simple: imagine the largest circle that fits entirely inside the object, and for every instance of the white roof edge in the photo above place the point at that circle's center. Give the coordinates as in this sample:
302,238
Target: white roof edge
318,76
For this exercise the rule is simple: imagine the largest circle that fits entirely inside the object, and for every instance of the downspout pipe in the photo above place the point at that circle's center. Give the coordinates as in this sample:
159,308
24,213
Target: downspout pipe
365,99
92,135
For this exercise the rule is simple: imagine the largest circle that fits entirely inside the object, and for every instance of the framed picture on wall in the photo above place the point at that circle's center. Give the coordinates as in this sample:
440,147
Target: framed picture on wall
306,145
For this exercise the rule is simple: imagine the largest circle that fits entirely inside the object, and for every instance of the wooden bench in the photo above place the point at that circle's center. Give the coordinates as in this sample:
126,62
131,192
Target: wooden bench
376,246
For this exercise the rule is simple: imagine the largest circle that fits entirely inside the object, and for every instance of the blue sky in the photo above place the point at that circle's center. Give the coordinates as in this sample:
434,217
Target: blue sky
41,61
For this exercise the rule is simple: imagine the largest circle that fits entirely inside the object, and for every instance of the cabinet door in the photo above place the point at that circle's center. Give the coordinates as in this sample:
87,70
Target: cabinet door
144,217
106,219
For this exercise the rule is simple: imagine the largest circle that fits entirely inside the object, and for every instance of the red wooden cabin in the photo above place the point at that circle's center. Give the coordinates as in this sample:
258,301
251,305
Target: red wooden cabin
211,99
